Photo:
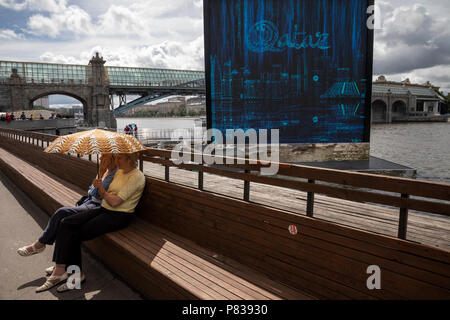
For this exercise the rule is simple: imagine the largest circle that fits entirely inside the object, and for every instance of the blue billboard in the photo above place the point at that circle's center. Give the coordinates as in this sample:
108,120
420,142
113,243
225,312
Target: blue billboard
301,66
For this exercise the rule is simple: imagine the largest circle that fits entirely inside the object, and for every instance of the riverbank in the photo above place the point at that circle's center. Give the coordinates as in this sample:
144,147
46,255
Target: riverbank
441,118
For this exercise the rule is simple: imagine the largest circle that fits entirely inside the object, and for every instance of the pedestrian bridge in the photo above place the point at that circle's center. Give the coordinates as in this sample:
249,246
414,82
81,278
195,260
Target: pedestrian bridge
94,85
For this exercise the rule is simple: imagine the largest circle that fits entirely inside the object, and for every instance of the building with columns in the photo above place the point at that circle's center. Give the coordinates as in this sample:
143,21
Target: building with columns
405,101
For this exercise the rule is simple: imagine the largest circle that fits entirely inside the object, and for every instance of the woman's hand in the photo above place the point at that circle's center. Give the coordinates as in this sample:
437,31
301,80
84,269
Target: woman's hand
97,183
105,162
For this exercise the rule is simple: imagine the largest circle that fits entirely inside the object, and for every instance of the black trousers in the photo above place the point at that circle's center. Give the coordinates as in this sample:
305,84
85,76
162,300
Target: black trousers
84,226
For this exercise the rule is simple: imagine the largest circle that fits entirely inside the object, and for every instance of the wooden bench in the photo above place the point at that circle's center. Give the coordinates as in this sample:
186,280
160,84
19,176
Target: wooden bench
155,261
324,260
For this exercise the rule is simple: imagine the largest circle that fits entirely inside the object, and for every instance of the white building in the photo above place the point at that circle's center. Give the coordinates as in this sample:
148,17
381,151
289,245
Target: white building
43,102
403,101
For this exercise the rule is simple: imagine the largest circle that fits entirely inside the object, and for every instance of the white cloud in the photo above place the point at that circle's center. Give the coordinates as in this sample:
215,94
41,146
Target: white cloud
38,5
40,25
71,19
52,58
413,43
7,34
168,54
121,20
153,21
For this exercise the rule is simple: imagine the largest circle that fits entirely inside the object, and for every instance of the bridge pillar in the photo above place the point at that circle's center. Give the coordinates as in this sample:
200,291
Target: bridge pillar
99,113
17,89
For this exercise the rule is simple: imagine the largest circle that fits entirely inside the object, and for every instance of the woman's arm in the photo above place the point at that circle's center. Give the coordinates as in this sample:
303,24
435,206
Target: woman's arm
112,199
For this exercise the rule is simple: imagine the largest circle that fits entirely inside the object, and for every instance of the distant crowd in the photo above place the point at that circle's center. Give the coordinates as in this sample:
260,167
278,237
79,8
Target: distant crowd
131,129
10,117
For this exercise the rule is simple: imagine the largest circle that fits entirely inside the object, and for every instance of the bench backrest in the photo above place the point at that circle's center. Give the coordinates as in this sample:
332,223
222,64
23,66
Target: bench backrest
328,260
79,172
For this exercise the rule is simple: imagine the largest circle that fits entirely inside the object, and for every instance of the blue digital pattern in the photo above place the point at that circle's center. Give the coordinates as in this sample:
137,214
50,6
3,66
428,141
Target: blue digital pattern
294,65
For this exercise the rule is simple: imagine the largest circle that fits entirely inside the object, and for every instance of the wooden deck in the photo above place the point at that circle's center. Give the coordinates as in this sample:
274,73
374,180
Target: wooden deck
422,228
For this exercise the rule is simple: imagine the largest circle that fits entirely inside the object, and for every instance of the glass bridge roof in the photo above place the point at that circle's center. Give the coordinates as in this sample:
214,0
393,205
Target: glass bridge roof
45,72
145,77
49,73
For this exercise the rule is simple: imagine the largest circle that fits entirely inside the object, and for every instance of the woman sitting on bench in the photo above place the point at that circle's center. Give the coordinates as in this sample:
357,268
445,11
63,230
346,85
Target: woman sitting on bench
93,200
115,213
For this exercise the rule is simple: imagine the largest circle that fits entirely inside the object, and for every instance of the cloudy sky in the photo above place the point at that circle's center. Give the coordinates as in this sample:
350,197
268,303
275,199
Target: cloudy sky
414,41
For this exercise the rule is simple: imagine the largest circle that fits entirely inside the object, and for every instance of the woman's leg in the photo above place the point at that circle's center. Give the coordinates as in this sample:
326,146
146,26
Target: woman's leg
106,221
67,250
49,234
68,241
80,227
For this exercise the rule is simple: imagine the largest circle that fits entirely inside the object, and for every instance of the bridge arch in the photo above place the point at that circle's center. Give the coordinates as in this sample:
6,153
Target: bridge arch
379,111
60,92
399,107
83,100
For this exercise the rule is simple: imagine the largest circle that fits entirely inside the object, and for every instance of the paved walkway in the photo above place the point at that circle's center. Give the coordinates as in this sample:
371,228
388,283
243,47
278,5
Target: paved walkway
21,222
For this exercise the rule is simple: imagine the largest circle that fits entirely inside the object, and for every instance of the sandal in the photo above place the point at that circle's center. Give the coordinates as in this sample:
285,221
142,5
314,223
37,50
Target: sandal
25,251
64,287
52,281
49,270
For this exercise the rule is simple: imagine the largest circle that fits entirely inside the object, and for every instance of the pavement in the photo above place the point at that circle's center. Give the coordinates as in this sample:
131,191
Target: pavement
21,223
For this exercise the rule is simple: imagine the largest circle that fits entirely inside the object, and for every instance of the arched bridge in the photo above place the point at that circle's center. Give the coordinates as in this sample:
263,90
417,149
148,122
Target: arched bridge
94,85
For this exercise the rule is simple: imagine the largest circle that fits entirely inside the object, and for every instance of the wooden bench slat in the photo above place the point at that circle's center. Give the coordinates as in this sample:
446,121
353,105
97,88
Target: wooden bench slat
228,267
164,268
200,279
209,269
40,179
149,282
46,183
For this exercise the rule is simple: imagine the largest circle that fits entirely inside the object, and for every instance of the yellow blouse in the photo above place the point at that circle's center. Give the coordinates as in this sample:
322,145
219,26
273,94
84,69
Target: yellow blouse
129,187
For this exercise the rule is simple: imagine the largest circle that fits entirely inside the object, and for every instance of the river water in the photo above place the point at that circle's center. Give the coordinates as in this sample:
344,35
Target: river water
422,146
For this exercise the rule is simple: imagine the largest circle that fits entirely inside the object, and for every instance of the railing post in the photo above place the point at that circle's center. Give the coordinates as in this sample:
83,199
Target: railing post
200,179
403,220
166,175
141,163
310,202
247,188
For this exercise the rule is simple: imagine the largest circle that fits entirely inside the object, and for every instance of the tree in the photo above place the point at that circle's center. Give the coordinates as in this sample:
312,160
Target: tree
181,111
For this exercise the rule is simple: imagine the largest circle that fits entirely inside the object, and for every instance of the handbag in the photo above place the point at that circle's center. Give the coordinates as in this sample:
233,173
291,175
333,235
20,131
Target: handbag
82,200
